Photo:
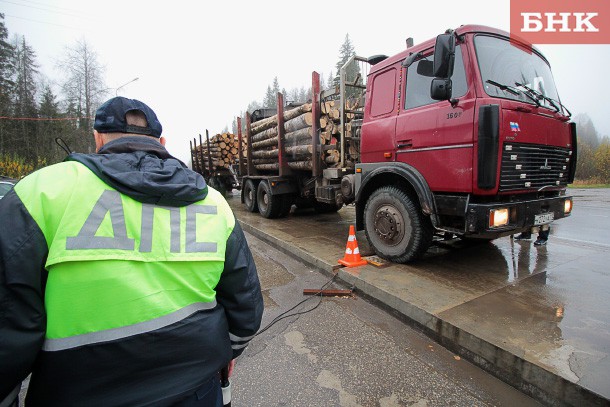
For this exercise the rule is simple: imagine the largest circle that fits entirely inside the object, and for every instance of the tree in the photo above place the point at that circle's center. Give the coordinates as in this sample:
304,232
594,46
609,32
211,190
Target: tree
352,71
330,83
602,161
585,130
51,126
585,164
7,70
24,101
270,100
84,87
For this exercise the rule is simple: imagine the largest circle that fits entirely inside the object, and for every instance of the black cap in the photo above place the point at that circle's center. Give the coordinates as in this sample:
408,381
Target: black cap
110,117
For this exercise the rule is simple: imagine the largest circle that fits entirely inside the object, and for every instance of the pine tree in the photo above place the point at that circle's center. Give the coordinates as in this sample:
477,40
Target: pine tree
7,71
346,51
270,100
352,71
51,128
24,100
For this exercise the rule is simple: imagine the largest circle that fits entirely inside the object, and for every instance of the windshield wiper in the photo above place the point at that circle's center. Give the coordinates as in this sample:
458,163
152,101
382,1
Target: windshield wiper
539,95
505,88
555,103
514,91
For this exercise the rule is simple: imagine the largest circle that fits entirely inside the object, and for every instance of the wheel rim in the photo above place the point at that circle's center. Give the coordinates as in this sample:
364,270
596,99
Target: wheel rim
389,225
266,199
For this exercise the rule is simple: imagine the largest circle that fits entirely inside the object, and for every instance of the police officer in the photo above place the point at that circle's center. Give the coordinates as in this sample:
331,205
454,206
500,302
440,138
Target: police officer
124,279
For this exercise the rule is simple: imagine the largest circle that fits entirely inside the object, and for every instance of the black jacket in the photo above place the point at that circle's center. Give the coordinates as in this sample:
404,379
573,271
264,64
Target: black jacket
152,368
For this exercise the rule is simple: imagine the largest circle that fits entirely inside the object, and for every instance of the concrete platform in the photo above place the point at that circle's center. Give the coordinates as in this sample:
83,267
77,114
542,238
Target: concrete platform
537,317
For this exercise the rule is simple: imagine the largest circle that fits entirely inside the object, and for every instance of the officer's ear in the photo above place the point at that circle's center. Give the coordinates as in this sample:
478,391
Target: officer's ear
162,141
99,140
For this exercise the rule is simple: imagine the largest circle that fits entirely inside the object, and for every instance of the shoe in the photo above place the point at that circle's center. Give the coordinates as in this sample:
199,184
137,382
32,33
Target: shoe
523,236
540,242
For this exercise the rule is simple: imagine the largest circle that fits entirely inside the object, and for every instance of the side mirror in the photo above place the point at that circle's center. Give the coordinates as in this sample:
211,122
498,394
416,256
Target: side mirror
440,89
444,55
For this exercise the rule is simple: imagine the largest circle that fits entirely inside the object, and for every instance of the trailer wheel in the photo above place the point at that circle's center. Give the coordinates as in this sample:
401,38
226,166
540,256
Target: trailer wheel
250,196
395,225
269,205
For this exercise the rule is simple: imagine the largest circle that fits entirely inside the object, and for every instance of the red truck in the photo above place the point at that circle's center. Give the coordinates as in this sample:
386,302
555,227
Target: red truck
462,135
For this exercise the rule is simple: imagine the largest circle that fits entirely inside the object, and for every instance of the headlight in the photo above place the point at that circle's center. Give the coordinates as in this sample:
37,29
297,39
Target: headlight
498,217
567,206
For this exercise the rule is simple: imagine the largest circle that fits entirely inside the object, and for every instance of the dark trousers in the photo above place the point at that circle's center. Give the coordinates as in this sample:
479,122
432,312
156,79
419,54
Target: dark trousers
208,395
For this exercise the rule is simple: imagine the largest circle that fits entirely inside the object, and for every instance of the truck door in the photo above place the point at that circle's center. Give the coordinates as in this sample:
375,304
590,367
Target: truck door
380,115
435,137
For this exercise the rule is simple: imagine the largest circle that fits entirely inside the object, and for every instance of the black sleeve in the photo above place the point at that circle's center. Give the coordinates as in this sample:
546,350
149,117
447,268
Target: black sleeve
23,252
239,292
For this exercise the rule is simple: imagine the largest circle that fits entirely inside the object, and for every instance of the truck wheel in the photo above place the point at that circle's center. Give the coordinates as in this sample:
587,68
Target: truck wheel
323,207
395,225
250,196
268,205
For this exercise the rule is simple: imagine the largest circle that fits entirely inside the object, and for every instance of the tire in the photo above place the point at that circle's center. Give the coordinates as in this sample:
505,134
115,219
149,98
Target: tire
250,196
395,225
269,206
323,207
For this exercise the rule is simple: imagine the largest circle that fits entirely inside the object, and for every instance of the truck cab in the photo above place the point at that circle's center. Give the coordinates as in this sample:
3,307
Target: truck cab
465,135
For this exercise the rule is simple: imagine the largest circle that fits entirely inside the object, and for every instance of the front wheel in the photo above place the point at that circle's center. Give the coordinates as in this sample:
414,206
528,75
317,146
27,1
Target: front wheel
395,225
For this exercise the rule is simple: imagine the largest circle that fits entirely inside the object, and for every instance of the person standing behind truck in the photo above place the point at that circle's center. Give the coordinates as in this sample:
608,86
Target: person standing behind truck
124,279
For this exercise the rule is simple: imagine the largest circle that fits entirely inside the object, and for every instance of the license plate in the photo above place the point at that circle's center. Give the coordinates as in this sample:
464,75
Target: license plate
544,218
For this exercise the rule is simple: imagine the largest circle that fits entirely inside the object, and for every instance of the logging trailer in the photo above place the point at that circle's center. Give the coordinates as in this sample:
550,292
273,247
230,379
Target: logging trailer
463,135
220,175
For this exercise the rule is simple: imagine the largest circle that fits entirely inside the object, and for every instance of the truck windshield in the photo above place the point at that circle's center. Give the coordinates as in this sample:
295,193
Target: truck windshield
511,72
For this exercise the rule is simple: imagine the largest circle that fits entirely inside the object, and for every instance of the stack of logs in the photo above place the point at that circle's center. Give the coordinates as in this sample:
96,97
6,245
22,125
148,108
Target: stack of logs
298,136
223,152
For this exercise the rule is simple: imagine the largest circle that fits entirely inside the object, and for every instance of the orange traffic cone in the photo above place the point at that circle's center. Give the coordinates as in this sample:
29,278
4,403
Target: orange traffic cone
352,253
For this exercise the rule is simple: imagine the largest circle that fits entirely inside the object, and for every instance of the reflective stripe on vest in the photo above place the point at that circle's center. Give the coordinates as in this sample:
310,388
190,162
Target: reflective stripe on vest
118,267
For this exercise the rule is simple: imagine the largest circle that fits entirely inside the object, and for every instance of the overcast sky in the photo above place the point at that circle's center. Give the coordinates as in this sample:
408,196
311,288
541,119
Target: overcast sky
200,63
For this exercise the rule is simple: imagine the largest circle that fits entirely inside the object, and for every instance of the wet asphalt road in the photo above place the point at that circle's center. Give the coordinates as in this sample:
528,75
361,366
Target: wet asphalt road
347,352
590,219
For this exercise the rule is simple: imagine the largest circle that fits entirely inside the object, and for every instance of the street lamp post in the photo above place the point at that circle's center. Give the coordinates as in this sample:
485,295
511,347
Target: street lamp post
116,93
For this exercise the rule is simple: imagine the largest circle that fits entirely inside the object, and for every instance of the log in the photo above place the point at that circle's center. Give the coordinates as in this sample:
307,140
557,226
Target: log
265,134
299,122
264,143
323,122
290,151
258,161
269,122
292,137
295,165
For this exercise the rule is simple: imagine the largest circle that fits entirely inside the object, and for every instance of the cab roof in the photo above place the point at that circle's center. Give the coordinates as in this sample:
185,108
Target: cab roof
462,30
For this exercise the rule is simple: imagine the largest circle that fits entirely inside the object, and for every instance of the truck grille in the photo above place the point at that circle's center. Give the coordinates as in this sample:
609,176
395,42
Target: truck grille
532,166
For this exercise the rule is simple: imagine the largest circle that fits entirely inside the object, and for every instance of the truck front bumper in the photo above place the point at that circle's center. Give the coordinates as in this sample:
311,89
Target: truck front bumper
522,215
